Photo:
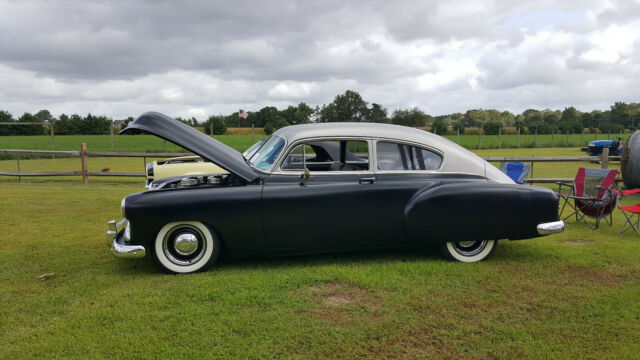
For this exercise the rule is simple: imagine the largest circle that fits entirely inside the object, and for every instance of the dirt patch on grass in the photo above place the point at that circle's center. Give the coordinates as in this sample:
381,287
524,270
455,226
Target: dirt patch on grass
611,275
343,303
577,242
335,294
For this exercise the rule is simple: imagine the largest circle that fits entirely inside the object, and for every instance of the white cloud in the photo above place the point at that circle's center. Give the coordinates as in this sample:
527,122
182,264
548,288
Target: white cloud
208,57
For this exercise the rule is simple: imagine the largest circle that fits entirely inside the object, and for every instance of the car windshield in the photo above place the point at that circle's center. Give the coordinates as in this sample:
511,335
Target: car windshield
250,151
264,158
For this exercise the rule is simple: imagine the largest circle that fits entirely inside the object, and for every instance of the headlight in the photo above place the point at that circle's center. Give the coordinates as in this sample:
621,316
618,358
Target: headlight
122,205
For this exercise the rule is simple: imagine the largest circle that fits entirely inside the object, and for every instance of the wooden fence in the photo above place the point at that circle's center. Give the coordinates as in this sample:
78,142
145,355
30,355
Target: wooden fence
84,154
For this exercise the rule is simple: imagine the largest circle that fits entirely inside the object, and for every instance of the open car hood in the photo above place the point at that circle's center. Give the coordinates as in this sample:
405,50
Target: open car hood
193,140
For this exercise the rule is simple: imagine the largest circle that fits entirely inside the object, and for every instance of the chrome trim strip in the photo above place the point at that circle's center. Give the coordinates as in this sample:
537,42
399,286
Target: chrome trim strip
121,231
551,227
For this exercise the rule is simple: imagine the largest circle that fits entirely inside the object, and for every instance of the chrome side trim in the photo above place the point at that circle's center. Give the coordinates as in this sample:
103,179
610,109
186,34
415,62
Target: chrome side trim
119,233
551,227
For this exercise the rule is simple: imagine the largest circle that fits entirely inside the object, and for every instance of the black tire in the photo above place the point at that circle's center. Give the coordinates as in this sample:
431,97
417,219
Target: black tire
468,251
185,247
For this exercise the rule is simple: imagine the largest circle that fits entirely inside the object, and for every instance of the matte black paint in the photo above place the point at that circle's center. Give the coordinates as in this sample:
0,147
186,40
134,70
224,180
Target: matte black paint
286,215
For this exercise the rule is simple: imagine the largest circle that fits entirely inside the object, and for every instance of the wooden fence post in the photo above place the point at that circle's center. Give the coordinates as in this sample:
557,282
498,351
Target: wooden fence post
19,177
53,145
532,167
458,132
83,155
111,136
605,158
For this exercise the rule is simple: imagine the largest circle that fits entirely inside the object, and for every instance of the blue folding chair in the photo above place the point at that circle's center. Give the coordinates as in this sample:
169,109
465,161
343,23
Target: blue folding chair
517,171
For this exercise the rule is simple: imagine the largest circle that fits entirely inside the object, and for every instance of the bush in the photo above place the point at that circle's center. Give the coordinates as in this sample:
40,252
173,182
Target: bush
458,127
491,127
542,128
218,123
439,127
273,125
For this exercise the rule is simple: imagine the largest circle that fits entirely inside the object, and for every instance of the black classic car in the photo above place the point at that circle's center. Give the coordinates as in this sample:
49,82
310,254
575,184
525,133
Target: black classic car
323,188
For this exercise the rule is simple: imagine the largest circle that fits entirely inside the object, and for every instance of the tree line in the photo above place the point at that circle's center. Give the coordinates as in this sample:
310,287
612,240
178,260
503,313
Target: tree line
351,107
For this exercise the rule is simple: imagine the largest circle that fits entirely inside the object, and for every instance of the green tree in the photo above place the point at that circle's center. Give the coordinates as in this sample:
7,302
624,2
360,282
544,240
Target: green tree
377,114
6,130
475,118
413,117
274,125
458,127
218,123
29,129
570,121
492,127
264,115
439,127
620,114
348,107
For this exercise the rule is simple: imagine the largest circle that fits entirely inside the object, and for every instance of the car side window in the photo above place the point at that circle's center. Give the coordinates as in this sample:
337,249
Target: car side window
328,155
396,156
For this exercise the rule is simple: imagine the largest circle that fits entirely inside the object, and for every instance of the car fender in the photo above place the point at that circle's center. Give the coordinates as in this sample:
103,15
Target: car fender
465,211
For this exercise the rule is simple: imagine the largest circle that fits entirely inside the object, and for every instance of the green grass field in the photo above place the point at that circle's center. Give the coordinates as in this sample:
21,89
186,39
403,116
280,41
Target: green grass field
150,143
570,295
137,143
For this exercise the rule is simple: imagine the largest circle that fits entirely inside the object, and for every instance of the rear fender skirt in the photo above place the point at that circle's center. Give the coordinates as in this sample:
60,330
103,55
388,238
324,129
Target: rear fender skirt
462,212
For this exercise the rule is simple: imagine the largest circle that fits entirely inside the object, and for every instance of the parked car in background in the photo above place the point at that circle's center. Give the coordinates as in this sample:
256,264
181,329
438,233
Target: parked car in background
323,188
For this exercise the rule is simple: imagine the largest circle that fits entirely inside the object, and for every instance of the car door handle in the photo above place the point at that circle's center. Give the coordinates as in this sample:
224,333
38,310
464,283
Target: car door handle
369,180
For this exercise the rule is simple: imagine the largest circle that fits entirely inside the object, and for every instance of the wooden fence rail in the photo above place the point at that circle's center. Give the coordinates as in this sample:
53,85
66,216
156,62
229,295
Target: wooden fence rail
604,160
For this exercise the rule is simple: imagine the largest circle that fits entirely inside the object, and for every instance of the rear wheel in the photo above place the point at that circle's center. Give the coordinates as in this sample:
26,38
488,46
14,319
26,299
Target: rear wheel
468,251
185,247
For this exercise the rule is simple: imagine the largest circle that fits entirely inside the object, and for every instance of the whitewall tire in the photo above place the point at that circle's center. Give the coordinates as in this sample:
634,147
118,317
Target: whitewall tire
185,247
469,251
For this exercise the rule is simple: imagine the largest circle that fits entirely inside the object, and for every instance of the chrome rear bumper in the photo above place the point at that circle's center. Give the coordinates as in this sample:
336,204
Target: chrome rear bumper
551,227
118,233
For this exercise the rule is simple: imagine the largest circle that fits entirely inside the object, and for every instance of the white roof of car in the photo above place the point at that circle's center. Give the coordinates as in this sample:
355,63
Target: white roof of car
376,130
456,158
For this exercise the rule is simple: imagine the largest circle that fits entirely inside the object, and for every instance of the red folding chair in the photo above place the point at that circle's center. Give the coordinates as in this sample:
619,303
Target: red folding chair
590,196
630,212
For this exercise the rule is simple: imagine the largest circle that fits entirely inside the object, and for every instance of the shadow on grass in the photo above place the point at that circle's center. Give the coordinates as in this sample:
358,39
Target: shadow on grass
504,254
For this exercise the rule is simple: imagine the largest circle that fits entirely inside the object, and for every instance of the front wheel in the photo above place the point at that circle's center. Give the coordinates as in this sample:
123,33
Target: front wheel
468,251
185,247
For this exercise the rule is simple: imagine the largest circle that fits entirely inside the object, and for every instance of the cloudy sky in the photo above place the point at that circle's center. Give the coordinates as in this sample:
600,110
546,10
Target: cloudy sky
194,58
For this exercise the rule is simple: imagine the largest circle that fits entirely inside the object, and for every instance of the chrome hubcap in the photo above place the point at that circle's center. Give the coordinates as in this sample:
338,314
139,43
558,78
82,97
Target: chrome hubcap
470,248
186,244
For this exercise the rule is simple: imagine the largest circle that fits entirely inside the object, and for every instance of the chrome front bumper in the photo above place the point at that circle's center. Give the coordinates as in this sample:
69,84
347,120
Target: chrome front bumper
118,233
551,227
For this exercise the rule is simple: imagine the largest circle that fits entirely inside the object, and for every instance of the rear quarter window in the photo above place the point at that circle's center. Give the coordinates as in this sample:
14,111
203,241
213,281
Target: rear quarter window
397,156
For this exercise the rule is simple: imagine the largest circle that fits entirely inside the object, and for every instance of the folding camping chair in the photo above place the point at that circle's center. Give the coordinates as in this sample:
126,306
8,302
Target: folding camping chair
517,171
592,195
630,212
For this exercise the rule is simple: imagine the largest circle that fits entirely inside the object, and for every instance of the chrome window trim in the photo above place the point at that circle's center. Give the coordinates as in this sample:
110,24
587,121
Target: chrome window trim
290,146
410,143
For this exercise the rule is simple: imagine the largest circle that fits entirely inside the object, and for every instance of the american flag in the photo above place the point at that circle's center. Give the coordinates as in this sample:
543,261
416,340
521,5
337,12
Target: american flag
243,114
